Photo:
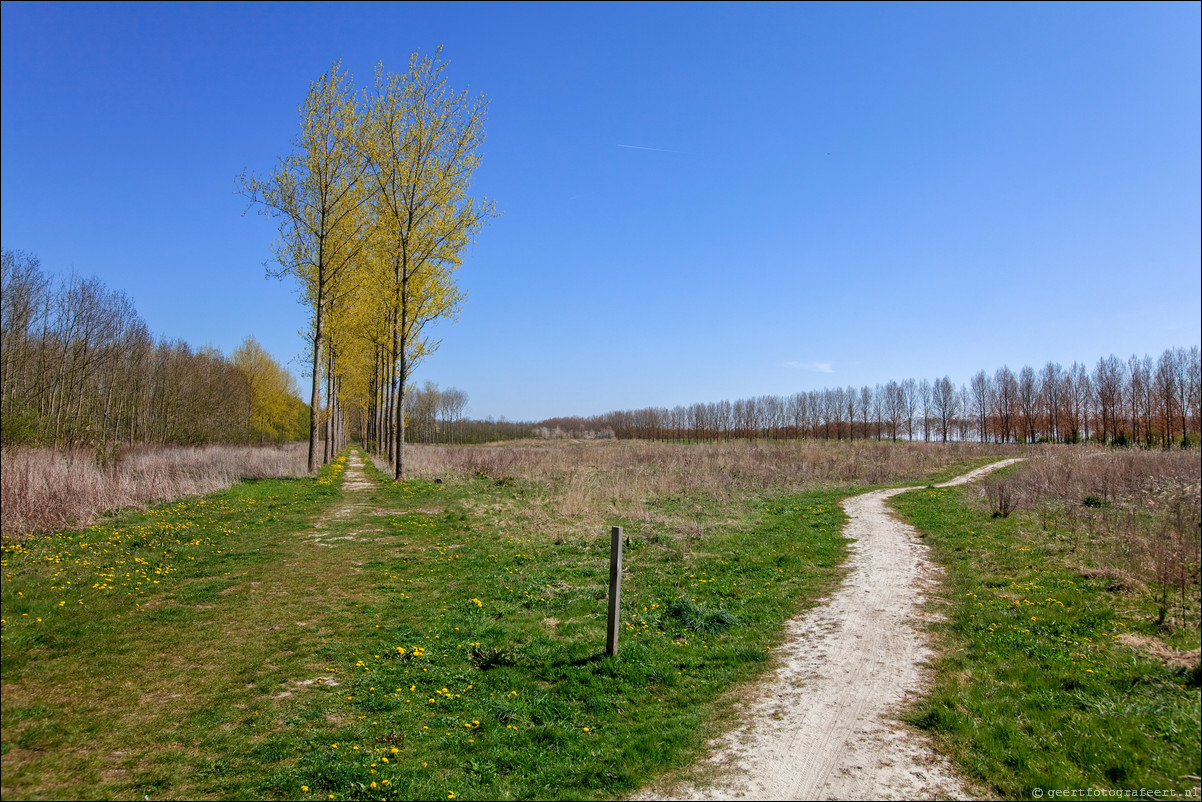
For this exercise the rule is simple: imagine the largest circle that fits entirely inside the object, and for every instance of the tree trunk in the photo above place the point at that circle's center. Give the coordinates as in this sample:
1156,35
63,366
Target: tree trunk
315,399
327,454
400,418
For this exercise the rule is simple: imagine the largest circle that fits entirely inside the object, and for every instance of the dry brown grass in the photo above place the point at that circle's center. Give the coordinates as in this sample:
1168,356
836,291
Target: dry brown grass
715,467
1110,474
44,490
1132,515
1173,658
591,483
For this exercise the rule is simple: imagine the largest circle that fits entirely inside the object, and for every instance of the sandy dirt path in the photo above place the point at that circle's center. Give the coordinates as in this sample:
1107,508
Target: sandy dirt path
823,725
351,504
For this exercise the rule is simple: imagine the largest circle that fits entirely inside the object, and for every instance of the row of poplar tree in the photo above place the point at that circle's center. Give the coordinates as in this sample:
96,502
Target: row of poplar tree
1141,400
374,213
78,366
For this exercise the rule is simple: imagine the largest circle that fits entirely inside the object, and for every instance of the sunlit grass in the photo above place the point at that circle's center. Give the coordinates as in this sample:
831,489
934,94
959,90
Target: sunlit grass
1038,686
286,639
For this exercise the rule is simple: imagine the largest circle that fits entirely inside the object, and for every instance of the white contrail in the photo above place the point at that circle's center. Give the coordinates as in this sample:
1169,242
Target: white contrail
640,147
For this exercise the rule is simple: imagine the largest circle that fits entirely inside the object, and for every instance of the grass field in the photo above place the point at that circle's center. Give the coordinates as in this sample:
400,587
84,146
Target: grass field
445,639
283,639
1061,668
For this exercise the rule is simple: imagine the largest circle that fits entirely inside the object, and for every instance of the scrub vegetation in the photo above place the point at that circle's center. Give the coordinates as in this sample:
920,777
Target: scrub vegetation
1070,650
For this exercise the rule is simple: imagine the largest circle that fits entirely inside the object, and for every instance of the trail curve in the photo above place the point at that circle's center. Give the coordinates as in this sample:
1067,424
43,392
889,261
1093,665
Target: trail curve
823,724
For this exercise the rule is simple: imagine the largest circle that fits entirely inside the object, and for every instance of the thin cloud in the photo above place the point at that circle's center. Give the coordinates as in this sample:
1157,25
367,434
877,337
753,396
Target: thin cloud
817,367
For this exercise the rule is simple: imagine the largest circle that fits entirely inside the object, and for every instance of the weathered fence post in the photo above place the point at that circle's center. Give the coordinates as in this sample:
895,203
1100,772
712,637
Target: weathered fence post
615,589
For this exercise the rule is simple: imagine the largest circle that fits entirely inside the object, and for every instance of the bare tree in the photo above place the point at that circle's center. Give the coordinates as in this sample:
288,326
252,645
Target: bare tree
926,395
945,402
982,391
1005,394
910,403
893,404
1028,404
1108,380
1051,394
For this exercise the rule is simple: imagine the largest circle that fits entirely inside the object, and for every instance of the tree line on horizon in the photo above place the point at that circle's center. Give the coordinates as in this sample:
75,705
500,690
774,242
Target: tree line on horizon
1125,402
435,416
79,367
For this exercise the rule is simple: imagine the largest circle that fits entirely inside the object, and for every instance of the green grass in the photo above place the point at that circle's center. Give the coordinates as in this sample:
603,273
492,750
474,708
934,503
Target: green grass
1034,689
214,648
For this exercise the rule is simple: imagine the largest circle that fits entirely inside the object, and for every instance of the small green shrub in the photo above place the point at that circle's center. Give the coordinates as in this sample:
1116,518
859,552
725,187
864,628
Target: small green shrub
486,657
700,618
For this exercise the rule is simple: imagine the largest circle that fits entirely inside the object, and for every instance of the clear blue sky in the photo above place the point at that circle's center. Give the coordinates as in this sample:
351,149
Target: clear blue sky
700,201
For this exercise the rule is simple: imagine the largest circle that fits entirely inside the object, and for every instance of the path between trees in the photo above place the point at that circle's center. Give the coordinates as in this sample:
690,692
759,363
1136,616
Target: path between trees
351,503
823,725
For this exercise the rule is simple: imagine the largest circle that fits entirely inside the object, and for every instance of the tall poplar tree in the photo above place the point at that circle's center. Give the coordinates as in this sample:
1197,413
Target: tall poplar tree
317,194
422,148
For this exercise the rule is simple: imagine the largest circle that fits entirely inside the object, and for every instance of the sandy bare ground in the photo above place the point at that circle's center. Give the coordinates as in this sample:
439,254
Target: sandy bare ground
824,725
352,504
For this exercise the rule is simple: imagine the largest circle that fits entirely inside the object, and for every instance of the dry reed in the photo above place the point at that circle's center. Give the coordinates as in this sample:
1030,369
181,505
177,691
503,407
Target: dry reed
593,482
1133,516
45,490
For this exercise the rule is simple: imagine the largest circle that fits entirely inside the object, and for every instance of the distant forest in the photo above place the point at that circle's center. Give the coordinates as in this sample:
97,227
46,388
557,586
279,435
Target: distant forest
1124,402
1138,401
78,366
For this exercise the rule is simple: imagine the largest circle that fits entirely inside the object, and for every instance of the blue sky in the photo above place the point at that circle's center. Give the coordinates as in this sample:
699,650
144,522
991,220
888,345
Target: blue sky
700,201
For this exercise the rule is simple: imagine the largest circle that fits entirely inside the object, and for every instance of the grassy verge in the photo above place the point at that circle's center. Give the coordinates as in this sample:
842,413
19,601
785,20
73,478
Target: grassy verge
1045,681
45,490
139,655
284,639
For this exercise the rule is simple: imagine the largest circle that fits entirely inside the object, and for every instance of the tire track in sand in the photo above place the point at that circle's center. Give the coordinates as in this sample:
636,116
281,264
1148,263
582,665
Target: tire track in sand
822,726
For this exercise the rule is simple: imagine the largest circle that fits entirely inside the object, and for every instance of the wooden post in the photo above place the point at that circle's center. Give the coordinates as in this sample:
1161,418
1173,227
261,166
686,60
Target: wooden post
615,589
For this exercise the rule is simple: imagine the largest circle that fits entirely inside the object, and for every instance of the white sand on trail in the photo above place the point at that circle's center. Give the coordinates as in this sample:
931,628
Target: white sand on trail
823,725
352,504
355,478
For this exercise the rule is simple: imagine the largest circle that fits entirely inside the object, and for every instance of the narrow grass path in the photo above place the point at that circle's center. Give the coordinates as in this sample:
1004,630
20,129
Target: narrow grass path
176,690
